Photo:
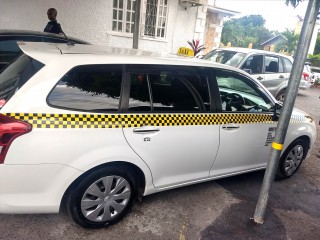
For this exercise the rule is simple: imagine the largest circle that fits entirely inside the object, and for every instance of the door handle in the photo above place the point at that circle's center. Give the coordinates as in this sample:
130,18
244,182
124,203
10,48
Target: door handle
230,127
145,130
259,78
281,76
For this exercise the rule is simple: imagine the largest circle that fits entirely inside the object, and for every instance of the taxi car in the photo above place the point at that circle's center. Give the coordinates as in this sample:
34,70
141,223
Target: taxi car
269,68
90,129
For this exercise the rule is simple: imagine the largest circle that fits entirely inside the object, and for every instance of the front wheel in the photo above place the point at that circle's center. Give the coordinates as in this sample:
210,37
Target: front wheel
280,96
102,197
292,158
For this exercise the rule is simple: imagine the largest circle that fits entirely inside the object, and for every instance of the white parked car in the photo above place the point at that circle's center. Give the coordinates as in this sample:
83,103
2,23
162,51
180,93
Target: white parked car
92,128
269,68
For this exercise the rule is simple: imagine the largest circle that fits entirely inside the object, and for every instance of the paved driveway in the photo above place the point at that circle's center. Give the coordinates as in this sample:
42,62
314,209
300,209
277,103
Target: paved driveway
219,209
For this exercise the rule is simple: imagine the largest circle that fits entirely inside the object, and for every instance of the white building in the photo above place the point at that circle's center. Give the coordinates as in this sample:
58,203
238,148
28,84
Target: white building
165,25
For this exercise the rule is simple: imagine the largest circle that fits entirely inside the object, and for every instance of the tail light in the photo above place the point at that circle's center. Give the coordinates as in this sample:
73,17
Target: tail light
10,129
2,103
305,76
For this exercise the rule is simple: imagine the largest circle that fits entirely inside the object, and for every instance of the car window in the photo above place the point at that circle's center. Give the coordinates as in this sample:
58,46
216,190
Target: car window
16,75
93,88
227,57
239,94
169,90
253,64
273,64
307,68
54,40
288,65
9,50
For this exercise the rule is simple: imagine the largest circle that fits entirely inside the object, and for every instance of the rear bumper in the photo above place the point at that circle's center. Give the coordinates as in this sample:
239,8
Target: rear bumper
304,85
34,188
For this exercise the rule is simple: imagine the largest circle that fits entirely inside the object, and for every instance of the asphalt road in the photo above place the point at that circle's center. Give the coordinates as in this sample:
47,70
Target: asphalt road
221,209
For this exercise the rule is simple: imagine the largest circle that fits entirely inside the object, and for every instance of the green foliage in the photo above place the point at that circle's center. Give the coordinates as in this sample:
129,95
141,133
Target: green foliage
294,3
314,56
245,30
317,47
289,45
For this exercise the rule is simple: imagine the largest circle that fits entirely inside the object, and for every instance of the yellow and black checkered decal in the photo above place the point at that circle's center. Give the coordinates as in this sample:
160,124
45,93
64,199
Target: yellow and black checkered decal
43,120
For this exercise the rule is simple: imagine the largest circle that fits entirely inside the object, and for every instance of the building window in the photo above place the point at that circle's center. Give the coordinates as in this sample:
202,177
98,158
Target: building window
156,18
123,16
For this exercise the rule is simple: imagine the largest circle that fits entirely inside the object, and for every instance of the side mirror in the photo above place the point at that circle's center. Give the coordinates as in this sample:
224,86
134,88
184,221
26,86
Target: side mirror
276,111
247,70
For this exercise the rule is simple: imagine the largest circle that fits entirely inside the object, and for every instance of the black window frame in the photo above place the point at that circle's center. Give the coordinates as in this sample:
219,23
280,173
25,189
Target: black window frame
150,68
249,81
83,110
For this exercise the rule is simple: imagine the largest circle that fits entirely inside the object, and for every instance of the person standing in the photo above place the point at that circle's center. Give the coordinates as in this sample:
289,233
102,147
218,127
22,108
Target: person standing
53,26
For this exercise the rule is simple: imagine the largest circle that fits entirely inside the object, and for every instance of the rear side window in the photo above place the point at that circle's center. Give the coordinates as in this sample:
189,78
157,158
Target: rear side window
273,64
93,88
16,75
287,64
168,89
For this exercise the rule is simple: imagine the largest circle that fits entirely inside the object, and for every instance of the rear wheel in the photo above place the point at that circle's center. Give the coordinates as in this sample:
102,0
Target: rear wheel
103,197
292,158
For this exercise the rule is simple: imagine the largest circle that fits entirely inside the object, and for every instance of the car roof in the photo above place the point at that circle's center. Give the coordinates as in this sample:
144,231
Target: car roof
20,33
250,50
46,52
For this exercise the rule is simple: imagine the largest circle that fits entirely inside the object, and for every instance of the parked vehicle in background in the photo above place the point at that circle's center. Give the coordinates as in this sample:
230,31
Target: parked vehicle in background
316,72
270,69
307,73
9,49
90,128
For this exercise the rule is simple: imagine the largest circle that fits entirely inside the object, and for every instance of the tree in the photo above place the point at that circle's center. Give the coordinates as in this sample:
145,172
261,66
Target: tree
245,30
290,44
317,47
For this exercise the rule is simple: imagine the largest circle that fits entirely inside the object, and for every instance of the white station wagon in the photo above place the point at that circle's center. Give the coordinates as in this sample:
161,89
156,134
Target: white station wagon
90,129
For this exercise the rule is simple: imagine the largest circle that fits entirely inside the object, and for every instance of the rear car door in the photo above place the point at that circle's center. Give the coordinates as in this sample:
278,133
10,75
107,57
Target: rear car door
247,129
167,122
275,77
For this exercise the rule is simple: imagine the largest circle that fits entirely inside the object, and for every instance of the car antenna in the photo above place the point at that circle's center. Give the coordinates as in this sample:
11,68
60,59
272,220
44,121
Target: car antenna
68,42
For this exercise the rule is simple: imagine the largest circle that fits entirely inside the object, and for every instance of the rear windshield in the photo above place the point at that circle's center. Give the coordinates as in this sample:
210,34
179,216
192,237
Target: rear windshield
231,58
16,75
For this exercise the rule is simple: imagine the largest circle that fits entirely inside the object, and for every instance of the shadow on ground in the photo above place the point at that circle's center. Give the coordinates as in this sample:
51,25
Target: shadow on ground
294,194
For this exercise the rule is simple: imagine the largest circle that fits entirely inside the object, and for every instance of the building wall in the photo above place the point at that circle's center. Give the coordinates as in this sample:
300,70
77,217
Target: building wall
213,31
90,20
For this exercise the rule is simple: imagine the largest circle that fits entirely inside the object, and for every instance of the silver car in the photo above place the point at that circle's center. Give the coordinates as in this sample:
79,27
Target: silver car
271,69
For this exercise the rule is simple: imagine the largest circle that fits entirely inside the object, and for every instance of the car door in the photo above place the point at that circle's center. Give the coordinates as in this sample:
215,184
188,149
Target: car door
247,130
254,66
168,124
275,78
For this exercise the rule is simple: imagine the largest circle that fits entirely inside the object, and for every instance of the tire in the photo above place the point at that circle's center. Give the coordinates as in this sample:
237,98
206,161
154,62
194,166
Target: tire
292,158
103,197
280,95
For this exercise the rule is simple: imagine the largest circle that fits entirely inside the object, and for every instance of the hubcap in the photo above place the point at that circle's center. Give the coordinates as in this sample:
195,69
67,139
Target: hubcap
293,159
280,97
105,198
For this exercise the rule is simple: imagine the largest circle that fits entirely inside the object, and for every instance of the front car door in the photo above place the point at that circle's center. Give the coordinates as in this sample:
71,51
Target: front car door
168,122
247,129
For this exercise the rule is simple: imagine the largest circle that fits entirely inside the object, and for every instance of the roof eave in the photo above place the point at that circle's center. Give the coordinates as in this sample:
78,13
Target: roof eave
227,12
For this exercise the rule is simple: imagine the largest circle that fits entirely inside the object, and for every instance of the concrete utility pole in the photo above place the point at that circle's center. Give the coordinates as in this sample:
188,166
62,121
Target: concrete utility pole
286,111
136,26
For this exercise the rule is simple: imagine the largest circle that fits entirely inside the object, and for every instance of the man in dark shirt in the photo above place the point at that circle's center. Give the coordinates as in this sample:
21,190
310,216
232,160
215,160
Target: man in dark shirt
53,26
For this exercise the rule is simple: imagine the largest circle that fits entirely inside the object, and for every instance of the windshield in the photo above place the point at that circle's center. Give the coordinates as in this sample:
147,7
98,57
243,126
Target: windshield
16,75
227,57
